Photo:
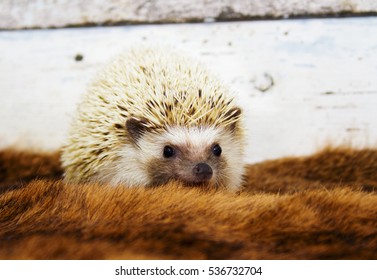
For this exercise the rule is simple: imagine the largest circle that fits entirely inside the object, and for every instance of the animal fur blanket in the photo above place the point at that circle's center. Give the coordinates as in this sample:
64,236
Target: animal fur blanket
319,207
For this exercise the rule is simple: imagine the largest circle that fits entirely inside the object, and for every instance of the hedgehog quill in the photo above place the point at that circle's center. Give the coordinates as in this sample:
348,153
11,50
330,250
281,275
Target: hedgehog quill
152,116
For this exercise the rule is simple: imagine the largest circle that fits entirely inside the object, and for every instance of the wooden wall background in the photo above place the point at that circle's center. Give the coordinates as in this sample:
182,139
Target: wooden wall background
303,83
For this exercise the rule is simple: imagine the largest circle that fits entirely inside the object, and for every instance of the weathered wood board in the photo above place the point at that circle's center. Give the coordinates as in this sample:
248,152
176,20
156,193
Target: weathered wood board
59,13
301,83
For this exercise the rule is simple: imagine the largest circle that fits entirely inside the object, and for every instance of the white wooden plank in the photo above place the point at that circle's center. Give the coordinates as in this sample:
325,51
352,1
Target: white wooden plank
323,72
59,13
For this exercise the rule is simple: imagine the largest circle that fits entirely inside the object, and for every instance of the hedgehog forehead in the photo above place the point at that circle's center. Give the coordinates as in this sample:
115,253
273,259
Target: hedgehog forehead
196,137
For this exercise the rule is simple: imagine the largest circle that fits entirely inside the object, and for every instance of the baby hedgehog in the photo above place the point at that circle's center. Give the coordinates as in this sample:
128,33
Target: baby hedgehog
153,116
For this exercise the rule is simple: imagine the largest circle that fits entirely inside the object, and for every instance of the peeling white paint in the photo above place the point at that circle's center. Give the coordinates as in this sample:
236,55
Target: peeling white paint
59,13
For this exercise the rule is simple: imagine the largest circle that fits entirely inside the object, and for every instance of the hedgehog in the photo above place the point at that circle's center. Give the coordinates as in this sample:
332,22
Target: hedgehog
154,116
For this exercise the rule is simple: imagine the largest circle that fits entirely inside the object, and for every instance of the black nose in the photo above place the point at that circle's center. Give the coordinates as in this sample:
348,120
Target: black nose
202,171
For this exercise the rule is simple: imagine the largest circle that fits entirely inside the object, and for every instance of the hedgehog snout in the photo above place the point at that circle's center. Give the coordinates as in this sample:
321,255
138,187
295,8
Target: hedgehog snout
202,172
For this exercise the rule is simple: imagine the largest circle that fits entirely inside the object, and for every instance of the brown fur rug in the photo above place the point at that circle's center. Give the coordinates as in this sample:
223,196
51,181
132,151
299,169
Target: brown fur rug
319,207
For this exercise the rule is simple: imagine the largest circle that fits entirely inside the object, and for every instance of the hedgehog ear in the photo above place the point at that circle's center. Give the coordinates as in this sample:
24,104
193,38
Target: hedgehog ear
135,128
234,114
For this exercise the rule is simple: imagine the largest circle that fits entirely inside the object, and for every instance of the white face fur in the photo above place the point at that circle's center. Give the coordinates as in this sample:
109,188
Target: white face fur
194,155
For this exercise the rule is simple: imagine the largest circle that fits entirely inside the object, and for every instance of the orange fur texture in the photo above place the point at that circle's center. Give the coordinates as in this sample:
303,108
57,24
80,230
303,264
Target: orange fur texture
319,207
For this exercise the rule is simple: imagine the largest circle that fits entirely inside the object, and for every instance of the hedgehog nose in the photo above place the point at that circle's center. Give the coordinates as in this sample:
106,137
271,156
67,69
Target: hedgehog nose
202,171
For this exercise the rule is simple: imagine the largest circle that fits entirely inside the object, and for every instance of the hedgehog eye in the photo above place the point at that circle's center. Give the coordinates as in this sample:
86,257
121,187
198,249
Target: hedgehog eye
168,152
216,150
